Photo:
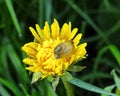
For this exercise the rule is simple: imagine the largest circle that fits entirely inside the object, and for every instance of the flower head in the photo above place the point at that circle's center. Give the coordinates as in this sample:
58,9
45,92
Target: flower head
53,49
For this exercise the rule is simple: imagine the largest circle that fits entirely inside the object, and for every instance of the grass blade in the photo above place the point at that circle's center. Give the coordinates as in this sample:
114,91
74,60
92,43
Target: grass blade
13,16
41,12
4,63
48,7
116,79
14,58
11,86
21,73
89,87
3,91
115,52
109,88
88,19
24,90
69,88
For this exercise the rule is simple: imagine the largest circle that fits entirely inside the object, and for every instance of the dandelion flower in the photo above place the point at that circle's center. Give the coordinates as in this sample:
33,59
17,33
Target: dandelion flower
53,49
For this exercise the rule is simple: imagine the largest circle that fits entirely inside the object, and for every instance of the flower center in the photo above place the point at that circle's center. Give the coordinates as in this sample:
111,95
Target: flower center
46,56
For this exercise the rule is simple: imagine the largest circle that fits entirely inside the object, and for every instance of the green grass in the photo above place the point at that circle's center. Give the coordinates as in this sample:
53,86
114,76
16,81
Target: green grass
99,22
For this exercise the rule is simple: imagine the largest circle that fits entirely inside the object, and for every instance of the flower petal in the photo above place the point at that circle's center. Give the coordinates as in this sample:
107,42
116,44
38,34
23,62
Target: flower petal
31,69
73,33
69,31
46,31
76,40
29,61
35,34
64,30
40,33
32,45
81,51
30,49
55,29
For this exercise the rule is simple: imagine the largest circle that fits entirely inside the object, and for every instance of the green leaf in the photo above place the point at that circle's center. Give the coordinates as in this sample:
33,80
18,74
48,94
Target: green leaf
55,82
50,78
116,79
4,63
48,10
24,89
67,76
117,91
11,86
3,91
13,16
115,52
68,87
44,89
107,4
50,91
89,87
41,12
36,77
16,62
109,89
75,68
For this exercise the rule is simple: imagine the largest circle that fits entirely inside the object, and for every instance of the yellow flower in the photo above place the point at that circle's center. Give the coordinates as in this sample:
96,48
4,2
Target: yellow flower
53,49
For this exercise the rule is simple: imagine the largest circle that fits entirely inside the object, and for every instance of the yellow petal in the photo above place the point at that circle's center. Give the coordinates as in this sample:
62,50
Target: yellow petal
46,31
30,45
40,33
43,76
69,31
82,46
76,40
81,51
31,69
55,29
29,61
29,50
35,34
73,33
64,31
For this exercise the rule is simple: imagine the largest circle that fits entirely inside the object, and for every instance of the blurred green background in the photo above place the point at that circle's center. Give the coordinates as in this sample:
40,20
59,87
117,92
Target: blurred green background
97,20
